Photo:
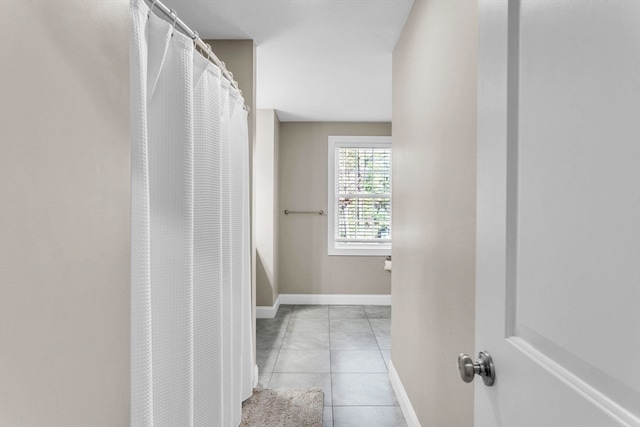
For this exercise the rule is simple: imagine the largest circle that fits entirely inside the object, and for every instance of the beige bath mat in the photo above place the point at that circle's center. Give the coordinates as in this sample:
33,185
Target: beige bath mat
283,408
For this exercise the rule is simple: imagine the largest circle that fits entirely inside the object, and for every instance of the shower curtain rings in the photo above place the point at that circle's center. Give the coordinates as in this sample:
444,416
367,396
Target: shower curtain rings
209,51
175,19
195,38
153,4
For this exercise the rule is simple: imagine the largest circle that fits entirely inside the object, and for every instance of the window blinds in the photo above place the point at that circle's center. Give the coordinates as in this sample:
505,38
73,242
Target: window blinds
363,195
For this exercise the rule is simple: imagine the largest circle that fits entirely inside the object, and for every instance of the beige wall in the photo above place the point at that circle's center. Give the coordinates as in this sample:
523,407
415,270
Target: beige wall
265,168
64,222
434,183
304,266
276,205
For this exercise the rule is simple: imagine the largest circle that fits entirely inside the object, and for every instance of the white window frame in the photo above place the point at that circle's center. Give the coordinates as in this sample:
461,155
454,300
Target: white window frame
333,247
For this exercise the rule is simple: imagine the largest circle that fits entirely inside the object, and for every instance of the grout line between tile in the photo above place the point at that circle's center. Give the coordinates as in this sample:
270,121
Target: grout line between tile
330,368
384,406
280,348
269,381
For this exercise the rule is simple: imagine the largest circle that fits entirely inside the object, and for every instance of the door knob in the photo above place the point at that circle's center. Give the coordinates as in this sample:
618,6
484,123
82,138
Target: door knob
483,367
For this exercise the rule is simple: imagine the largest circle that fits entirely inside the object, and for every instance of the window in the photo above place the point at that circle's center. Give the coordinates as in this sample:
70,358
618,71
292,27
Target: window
359,195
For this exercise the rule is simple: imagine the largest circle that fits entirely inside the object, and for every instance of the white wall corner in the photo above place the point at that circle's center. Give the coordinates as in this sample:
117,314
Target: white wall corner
269,311
405,404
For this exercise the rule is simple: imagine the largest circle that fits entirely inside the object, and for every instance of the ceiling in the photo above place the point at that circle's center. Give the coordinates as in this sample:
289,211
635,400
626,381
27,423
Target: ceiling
317,60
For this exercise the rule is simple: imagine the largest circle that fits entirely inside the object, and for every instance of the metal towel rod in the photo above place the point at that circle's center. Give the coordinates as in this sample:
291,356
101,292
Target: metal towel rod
287,212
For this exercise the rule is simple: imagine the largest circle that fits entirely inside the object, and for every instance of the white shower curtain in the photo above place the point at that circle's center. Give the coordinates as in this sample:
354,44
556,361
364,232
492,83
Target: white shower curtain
191,361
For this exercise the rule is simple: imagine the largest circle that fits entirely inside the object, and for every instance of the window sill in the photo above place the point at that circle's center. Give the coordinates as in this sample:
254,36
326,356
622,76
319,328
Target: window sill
333,251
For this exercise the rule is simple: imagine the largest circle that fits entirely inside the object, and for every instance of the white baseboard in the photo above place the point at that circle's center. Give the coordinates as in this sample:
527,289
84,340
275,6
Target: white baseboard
405,404
268,312
335,299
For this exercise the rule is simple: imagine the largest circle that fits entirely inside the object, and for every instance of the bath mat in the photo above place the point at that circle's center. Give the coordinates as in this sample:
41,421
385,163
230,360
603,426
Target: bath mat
283,408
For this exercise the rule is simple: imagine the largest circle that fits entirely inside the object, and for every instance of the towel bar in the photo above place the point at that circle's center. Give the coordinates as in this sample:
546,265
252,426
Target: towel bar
287,212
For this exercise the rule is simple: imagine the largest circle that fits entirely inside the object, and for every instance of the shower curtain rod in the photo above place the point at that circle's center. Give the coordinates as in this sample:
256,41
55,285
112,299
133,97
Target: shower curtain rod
204,47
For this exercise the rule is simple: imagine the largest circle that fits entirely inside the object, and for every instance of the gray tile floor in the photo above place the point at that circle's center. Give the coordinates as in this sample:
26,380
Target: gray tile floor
342,349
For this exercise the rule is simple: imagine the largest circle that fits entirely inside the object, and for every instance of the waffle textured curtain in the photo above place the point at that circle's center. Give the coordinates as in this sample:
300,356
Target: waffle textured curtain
191,361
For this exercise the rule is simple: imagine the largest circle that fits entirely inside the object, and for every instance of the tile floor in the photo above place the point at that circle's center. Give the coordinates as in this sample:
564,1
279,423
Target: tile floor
342,349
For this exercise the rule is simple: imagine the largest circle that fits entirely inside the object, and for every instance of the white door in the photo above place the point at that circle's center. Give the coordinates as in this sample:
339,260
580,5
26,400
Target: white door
558,267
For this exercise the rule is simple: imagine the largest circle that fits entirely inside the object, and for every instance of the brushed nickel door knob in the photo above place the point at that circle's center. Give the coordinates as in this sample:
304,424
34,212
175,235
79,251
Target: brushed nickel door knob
483,366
